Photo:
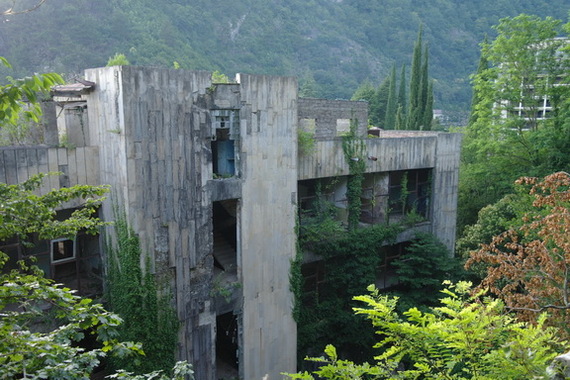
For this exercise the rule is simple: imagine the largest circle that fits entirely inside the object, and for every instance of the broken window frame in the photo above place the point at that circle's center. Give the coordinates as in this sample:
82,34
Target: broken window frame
225,127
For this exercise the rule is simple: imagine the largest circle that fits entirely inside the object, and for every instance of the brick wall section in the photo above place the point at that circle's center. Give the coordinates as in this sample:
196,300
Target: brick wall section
326,112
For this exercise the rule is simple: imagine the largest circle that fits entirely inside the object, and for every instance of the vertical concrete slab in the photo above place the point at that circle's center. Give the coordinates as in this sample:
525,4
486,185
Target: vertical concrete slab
267,224
445,188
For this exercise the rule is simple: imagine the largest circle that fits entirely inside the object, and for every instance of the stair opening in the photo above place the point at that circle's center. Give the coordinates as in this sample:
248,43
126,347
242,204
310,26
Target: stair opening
225,237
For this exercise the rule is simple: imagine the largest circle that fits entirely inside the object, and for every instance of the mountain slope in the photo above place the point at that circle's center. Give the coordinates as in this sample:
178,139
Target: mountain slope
339,43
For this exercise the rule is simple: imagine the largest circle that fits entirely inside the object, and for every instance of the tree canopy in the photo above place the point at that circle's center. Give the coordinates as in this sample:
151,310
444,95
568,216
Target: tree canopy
466,337
519,124
529,266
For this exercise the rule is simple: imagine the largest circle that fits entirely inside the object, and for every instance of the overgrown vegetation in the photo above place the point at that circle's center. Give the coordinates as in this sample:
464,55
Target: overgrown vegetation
518,67
348,261
119,59
467,337
47,331
527,265
305,142
144,304
353,148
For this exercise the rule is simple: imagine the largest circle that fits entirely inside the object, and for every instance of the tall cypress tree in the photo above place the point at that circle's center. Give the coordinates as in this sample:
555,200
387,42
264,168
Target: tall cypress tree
378,107
400,118
424,87
414,111
428,113
476,97
402,98
402,88
391,105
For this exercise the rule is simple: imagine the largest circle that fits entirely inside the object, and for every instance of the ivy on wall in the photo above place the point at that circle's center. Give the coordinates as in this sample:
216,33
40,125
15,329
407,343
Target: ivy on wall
354,153
350,259
134,293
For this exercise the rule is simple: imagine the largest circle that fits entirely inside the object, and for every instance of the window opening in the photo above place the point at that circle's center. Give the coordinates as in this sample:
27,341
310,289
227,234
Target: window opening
62,250
409,192
225,240
387,277
227,363
76,263
224,135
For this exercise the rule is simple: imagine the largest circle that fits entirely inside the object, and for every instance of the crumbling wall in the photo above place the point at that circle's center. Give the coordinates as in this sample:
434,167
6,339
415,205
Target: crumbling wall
331,118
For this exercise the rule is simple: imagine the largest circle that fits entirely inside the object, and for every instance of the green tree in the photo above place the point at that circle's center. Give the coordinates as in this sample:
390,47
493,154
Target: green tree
308,86
391,105
467,337
118,59
19,99
421,271
420,105
379,103
414,104
32,345
402,89
476,97
509,135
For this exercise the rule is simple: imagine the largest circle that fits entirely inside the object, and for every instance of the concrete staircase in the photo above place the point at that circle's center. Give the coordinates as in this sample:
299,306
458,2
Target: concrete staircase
224,253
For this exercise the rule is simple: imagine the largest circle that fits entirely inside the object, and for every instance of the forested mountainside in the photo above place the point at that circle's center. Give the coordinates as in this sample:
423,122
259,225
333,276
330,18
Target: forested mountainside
338,43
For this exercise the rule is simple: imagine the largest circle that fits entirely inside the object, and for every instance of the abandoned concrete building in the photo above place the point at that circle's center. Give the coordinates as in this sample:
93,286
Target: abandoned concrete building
211,178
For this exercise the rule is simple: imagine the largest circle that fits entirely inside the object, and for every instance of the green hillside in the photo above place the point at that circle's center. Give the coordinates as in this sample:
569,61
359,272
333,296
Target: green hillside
339,43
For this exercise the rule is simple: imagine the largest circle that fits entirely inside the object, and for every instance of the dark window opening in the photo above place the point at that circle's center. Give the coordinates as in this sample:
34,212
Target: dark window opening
62,250
387,276
313,282
225,237
373,199
409,192
227,360
224,136
75,263
320,198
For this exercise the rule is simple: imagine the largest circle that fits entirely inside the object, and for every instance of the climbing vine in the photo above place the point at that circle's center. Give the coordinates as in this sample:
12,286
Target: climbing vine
144,304
354,148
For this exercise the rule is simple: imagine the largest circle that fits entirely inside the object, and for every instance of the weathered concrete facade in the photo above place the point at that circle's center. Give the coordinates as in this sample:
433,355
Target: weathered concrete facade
154,128
210,178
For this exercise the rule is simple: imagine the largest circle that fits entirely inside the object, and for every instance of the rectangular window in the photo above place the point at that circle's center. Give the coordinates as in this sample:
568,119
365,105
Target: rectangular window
409,192
225,132
76,263
62,250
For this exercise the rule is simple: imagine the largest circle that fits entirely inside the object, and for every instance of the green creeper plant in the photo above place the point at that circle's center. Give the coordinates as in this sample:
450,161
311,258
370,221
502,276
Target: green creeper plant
354,148
144,304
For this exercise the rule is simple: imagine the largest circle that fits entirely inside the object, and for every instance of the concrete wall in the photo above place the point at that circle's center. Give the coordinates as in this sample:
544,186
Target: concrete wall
78,166
154,134
401,150
445,187
155,128
269,156
330,118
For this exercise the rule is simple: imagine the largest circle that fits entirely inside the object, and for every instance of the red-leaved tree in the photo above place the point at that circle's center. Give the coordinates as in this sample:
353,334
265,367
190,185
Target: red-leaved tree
529,266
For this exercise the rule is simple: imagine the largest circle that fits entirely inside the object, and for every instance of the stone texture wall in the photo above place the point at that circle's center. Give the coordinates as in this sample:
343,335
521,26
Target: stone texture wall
330,118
